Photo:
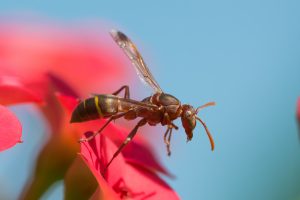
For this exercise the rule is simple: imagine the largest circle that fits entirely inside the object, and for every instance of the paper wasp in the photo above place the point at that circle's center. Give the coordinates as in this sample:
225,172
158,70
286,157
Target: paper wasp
160,108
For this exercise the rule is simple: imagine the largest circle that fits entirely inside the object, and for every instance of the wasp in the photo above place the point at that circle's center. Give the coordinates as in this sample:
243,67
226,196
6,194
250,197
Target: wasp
159,108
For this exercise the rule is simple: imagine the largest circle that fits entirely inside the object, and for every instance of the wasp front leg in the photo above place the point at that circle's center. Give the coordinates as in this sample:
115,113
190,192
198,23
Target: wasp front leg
168,133
167,121
167,137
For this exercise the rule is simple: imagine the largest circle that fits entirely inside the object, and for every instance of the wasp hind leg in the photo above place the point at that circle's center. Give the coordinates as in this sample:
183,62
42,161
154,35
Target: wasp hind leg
126,88
126,141
102,128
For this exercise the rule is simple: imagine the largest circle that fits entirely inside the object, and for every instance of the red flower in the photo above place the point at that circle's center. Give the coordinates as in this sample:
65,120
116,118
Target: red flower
51,68
30,52
128,181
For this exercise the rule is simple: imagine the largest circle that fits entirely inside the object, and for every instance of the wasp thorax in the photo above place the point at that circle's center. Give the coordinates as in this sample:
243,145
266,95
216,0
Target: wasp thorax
188,119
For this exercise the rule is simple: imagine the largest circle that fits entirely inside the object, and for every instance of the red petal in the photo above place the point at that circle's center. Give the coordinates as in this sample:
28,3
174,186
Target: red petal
10,129
127,180
106,191
15,91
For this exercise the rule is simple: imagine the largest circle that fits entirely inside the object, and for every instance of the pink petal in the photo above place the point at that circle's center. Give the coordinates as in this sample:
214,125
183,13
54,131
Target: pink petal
14,91
106,191
10,129
127,180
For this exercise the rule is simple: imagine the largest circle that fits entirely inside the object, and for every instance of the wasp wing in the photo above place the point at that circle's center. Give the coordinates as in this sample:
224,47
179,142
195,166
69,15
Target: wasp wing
136,59
140,104
130,101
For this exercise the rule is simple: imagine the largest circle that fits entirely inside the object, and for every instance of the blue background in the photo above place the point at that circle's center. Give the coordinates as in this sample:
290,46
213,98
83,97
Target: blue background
242,54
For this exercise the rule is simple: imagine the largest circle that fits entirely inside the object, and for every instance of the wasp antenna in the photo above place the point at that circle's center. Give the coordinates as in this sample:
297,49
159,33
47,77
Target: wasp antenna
212,143
205,105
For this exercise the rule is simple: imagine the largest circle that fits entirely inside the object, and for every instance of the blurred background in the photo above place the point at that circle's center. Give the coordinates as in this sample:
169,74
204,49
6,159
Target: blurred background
242,54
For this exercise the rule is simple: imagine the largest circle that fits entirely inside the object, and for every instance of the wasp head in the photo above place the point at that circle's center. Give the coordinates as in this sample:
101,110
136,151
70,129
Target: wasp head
188,119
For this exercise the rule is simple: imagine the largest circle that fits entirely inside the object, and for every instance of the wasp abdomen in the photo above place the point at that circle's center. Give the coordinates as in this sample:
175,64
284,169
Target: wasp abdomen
99,106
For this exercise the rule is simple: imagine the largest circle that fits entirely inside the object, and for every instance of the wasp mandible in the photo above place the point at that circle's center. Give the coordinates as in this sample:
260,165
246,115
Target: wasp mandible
160,108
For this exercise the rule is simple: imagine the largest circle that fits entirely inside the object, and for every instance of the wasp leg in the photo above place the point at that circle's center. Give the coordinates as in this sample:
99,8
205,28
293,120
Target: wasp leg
168,134
165,135
103,127
166,141
126,141
167,120
126,88
174,126
169,143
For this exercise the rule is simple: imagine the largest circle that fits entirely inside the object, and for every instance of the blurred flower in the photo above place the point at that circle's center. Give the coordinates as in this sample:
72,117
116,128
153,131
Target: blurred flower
30,52
79,57
38,90
52,68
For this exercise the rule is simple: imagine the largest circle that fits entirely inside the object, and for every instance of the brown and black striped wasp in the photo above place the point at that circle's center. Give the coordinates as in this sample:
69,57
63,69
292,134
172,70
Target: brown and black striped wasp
160,108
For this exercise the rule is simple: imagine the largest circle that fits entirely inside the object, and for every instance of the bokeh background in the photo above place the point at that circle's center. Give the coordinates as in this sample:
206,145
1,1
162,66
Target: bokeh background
242,54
